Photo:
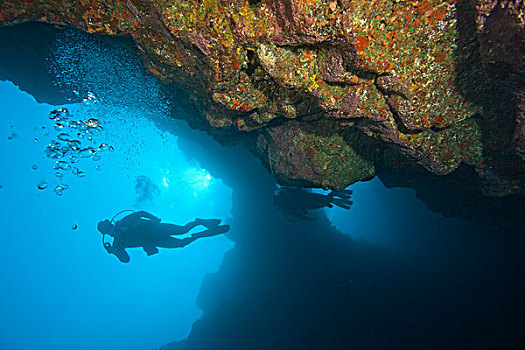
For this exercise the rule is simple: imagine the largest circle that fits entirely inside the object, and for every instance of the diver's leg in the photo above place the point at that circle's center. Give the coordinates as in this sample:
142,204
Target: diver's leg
173,230
342,203
171,242
316,201
341,198
208,223
212,231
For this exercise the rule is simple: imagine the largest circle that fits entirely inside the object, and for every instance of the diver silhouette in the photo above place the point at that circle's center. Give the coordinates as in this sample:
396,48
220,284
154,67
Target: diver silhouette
298,202
144,230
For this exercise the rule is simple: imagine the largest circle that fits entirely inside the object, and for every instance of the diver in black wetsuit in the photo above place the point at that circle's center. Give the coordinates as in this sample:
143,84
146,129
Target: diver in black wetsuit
142,229
298,202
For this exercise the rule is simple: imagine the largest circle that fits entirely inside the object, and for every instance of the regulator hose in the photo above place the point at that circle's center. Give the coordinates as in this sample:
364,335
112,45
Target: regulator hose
120,212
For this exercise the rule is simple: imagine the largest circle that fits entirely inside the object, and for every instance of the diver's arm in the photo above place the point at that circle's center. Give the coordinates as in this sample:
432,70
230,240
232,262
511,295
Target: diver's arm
119,252
150,250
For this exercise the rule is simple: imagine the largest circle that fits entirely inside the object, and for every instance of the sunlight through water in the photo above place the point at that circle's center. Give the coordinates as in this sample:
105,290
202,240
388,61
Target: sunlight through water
71,166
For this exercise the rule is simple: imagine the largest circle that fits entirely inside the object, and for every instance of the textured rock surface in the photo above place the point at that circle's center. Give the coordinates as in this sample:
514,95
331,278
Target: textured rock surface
438,81
303,153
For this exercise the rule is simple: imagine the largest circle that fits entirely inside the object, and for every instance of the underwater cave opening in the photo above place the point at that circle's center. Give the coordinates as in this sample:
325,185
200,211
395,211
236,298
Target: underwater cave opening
386,273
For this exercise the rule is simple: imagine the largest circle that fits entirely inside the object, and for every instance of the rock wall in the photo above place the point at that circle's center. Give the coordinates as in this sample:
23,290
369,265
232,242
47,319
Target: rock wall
328,91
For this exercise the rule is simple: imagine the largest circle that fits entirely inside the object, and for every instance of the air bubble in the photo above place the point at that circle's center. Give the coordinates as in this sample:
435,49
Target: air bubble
92,122
61,113
64,113
74,145
54,153
63,165
63,136
86,152
74,124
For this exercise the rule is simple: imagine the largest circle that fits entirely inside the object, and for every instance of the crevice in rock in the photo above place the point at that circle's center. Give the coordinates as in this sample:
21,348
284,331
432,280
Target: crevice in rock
397,119
253,62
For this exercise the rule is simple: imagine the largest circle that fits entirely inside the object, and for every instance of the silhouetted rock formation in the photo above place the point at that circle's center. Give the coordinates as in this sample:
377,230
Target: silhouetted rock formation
307,286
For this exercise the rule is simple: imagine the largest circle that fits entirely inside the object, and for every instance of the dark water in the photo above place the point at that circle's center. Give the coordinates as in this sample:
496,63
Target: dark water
387,274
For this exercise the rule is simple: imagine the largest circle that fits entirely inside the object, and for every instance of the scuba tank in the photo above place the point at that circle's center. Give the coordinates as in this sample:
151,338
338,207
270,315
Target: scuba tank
107,244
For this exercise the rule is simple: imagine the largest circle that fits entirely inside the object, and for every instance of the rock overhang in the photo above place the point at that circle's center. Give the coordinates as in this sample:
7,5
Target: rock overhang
299,76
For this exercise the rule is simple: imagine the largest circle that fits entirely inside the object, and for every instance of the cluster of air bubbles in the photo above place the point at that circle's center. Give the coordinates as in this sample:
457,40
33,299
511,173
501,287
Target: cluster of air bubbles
90,98
59,189
75,140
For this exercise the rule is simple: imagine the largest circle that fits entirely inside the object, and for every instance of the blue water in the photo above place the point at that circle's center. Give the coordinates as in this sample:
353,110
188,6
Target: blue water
387,271
59,284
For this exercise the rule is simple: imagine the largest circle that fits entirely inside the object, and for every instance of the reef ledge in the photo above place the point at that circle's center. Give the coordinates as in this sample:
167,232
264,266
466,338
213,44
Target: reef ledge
328,93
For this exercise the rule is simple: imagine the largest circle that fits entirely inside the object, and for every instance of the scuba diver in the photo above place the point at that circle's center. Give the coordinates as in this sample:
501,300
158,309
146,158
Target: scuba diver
297,201
142,229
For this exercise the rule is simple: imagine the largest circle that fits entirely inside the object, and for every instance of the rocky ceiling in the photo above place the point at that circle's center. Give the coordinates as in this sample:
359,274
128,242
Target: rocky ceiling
328,93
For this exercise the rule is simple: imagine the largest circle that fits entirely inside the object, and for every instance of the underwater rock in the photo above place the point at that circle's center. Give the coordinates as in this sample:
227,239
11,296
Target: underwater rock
439,81
306,154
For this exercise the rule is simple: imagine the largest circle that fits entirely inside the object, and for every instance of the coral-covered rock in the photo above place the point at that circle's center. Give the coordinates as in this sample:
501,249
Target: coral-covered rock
312,154
438,80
